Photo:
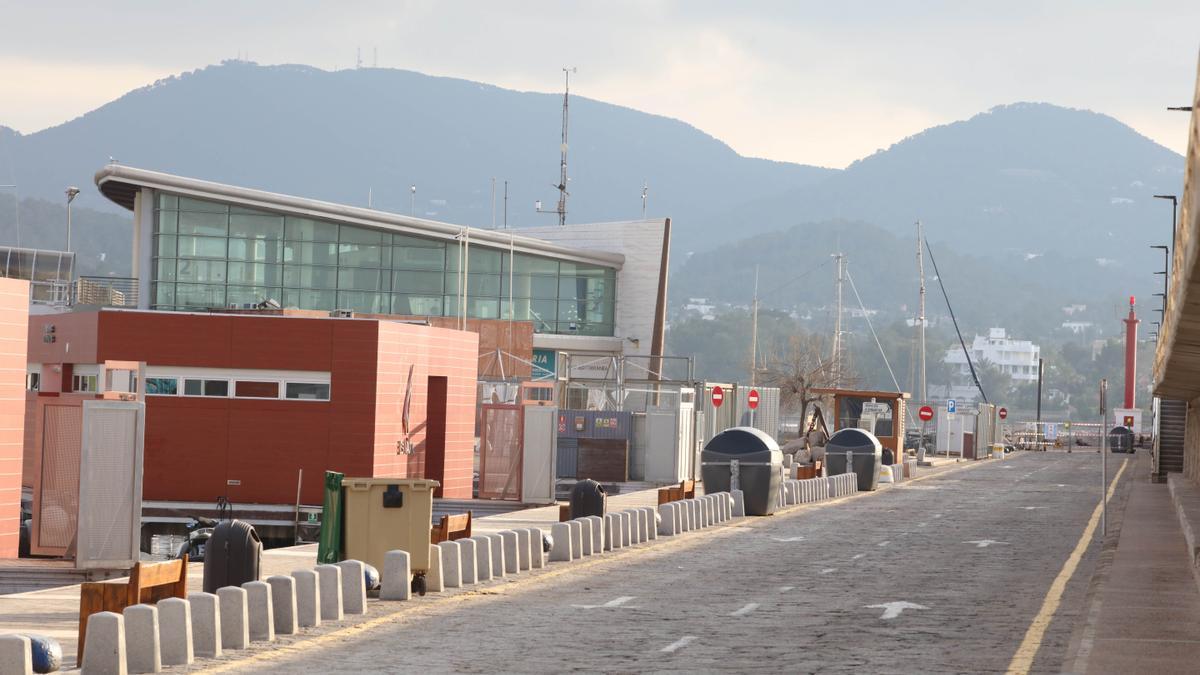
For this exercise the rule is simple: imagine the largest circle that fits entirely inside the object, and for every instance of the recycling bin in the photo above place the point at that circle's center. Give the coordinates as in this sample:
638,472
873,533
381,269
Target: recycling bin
588,498
864,452
1120,439
387,514
232,556
746,459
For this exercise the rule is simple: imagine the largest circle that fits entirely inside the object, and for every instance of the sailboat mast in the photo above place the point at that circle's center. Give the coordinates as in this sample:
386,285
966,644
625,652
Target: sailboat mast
837,322
921,314
754,333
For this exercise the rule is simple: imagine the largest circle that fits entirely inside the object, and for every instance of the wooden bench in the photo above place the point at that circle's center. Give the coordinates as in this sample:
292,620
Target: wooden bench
685,490
148,583
451,528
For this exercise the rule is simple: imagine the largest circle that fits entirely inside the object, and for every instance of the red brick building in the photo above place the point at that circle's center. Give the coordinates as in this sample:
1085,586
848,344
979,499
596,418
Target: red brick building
236,405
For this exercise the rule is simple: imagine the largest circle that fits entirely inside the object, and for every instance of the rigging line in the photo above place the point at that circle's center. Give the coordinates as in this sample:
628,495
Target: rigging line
907,411
970,363
794,279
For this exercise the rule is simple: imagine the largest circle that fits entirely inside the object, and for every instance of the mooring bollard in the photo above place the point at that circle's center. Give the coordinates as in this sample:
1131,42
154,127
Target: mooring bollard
206,624
142,651
451,556
283,603
175,631
562,550
397,576
308,598
354,587
467,559
235,620
330,579
260,611
104,647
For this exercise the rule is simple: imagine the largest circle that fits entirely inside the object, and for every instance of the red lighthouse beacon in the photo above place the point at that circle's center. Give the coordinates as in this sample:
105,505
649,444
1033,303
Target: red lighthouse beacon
1130,416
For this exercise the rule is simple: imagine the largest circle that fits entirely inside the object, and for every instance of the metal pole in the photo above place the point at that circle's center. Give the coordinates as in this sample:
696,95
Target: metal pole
68,225
1039,393
1103,459
921,325
754,338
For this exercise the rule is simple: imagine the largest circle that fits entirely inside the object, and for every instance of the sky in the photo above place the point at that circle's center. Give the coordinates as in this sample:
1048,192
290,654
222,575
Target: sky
810,82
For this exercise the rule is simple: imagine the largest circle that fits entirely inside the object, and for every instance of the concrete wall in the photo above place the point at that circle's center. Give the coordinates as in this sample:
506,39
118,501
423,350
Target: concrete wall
14,318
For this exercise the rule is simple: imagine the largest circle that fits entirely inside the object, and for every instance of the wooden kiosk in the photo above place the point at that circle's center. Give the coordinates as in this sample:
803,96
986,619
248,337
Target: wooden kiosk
880,412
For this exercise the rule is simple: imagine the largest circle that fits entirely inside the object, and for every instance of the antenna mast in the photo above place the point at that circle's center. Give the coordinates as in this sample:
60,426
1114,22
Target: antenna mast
561,210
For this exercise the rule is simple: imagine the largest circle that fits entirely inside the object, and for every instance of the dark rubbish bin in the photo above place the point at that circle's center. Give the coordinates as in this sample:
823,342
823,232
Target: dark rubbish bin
232,556
1120,439
751,459
588,499
866,456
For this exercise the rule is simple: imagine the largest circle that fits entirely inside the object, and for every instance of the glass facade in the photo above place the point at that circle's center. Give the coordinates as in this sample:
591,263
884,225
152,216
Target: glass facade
211,255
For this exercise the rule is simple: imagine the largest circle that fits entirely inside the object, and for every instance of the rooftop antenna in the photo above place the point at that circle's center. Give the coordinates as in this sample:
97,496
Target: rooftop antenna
645,189
561,210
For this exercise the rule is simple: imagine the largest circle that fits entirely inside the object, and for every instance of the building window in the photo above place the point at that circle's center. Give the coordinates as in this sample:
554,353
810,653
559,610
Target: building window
33,381
308,390
206,388
162,386
249,389
84,383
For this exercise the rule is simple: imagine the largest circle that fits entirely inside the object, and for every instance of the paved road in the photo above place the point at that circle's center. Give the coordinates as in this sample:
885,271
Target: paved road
976,549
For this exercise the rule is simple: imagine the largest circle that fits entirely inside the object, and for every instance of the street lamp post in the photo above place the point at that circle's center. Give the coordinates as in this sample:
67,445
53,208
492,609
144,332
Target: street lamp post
72,192
1166,262
1174,211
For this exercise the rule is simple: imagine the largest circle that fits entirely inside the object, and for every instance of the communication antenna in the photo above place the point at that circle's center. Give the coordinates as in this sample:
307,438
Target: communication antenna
561,210
645,190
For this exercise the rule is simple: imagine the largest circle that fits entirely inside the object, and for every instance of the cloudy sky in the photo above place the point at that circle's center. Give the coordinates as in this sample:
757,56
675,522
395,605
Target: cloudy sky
814,82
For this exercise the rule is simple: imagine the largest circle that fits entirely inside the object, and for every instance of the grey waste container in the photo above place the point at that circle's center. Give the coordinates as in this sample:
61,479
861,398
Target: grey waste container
758,462
1120,439
866,456
588,499
233,555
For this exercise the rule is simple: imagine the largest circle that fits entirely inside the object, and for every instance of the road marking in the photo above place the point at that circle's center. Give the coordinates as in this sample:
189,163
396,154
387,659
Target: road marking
892,610
788,538
859,555
937,515
884,543
1032,508
785,589
984,543
678,644
750,607
611,603
828,570
1022,660
922,524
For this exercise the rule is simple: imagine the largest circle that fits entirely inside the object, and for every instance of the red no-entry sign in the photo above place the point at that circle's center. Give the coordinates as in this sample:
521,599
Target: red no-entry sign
1003,413
752,399
925,413
718,396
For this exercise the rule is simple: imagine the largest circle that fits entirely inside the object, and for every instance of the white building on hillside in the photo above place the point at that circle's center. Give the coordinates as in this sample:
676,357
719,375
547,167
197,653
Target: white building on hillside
1017,358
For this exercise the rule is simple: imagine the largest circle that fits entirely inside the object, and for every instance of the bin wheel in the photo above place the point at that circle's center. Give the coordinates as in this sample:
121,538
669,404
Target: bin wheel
418,585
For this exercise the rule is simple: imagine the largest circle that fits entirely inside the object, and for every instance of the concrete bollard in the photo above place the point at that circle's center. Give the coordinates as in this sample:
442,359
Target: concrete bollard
562,551
666,527
723,504
643,525
206,624
512,551
396,583
434,583
260,611
174,632
536,551
651,522
685,516
354,587
104,648
496,542
330,579
597,533
576,530
142,651
483,557
308,598
678,513
694,513
612,532
235,620
706,511
626,528
585,536
283,603
451,556
739,504
524,549
16,657
466,561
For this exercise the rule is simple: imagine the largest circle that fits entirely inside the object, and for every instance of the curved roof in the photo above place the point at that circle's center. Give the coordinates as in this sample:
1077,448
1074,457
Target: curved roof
121,183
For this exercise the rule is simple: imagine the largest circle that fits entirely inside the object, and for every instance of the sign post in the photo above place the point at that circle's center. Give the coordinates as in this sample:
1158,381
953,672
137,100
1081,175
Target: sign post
951,408
718,396
1103,459
752,402
926,414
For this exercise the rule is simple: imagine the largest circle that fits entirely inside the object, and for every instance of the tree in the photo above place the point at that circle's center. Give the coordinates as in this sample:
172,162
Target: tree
798,368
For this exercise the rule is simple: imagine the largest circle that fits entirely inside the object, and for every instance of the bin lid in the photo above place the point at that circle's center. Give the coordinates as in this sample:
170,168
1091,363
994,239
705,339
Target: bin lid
855,440
743,441
410,483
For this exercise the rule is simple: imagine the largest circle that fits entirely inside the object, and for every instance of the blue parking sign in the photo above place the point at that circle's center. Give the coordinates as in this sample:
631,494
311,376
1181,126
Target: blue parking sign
950,406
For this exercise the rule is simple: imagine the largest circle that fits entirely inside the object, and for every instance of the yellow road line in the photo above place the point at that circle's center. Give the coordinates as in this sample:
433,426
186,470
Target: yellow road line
1022,661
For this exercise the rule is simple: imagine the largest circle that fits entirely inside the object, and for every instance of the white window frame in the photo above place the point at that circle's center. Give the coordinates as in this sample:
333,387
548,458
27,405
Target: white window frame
231,376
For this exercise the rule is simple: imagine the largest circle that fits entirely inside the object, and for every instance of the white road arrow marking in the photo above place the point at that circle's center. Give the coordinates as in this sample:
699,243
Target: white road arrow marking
618,602
859,555
750,607
678,644
828,570
788,538
785,589
984,543
1031,508
884,543
892,610
922,524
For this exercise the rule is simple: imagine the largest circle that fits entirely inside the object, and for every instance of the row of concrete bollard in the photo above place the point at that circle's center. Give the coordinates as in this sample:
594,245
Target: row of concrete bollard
686,515
804,491
843,484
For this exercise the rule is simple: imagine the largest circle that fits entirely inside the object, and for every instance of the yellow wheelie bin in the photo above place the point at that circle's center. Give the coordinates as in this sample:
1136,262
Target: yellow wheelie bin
387,514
